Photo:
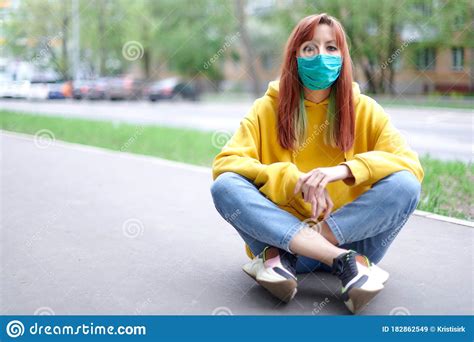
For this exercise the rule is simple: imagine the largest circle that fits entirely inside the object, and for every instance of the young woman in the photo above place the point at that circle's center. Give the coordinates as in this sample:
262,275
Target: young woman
316,177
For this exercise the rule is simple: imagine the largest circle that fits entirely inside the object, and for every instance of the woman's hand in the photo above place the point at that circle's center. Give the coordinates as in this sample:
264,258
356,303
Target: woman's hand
313,187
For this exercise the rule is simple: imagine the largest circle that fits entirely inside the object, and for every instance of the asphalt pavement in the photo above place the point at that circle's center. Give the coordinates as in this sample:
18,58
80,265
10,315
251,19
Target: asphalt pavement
90,231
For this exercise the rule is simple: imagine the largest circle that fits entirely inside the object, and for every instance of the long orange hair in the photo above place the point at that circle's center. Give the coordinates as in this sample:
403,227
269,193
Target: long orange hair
291,123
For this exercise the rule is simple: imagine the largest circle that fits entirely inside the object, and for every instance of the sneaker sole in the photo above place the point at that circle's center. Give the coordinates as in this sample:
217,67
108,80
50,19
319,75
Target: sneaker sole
284,290
359,298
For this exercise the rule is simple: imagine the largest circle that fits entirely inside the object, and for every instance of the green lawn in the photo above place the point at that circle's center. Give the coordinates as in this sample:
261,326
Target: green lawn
447,187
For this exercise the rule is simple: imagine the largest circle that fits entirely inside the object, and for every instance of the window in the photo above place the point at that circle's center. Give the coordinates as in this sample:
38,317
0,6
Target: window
426,59
457,58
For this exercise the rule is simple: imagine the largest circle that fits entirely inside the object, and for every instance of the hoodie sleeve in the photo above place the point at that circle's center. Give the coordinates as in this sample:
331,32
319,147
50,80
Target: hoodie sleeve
391,153
241,155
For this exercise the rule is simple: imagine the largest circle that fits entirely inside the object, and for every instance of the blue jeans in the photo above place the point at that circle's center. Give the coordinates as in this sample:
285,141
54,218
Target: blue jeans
367,225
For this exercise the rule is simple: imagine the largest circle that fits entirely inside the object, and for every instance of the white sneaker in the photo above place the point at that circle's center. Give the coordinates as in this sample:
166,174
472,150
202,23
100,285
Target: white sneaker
274,269
359,283
379,274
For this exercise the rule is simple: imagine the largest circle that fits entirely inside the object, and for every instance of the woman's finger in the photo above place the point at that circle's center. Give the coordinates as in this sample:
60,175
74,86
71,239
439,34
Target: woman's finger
314,183
314,207
300,182
321,186
321,205
329,205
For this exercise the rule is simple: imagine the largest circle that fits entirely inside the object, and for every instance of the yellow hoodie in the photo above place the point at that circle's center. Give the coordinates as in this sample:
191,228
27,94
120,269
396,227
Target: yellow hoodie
254,152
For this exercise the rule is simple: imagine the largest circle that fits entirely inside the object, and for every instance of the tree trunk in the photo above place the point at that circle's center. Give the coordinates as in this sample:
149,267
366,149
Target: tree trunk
103,44
64,53
248,50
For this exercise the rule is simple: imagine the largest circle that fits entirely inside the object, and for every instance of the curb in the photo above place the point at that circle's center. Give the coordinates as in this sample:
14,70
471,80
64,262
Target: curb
195,168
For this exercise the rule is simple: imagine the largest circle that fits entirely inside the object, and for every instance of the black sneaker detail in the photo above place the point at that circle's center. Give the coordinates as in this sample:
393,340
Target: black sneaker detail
345,267
358,283
283,273
288,261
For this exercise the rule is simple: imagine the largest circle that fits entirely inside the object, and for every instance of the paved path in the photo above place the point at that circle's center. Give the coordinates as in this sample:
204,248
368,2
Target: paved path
90,231
444,133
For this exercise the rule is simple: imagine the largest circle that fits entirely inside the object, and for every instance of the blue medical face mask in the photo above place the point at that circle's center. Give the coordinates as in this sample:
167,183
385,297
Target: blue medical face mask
320,71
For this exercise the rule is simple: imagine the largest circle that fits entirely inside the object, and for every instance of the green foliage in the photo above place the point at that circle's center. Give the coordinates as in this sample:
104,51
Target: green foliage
446,188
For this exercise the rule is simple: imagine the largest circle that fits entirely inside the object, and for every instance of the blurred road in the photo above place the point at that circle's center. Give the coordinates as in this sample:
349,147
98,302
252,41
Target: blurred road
125,236
444,133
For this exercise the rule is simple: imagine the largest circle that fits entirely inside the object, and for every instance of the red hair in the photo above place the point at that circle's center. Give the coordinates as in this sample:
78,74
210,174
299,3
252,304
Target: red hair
290,86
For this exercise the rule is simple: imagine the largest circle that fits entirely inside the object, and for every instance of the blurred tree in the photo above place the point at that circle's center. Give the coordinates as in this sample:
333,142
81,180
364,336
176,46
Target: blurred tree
33,38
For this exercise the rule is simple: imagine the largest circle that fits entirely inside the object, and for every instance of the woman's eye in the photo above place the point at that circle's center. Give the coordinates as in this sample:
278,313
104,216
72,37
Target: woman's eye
332,48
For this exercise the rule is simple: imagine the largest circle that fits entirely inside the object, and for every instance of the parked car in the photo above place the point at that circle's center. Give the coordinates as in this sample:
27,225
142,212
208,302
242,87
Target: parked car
56,91
124,88
39,90
15,89
172,88
97,89
80,89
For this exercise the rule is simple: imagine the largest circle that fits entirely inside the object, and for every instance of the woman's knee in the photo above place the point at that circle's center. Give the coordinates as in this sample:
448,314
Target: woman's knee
223,183
405,191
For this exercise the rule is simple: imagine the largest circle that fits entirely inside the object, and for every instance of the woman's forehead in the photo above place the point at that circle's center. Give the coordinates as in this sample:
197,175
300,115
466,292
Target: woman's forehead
324,33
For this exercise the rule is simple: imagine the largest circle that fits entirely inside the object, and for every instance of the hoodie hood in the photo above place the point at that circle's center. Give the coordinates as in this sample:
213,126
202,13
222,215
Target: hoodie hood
273,88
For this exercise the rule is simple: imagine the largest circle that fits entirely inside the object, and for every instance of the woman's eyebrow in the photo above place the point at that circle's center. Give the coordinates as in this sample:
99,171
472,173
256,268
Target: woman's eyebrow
328,42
